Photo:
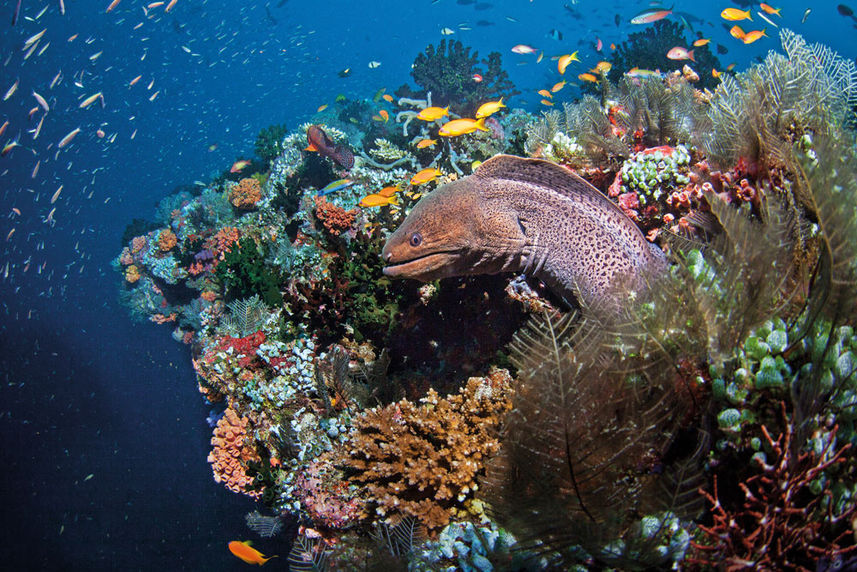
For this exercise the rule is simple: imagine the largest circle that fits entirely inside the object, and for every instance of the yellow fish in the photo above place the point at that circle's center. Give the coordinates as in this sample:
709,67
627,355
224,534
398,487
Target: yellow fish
433,113
602,67
588,77
701,42
734,14
425,176
321,108
389,191
490,108
423,143
753,35
376,200
565,60
462,127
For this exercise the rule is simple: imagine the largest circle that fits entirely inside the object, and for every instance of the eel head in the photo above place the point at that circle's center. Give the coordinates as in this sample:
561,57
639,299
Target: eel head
453,232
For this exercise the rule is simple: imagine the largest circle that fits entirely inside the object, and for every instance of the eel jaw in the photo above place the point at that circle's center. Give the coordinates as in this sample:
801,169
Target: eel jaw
426,268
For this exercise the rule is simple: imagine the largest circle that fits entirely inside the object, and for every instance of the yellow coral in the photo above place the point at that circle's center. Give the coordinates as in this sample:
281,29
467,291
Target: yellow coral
132,274
423,460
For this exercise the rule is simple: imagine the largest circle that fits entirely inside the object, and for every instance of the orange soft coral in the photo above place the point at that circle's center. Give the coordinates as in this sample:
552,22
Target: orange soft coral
423,460
335,219
166,240
138,243
246,194
223,240
233,448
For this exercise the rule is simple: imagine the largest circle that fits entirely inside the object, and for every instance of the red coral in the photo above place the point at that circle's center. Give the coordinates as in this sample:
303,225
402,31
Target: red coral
222,241
233,449
782,524
242,348
166,240
335,219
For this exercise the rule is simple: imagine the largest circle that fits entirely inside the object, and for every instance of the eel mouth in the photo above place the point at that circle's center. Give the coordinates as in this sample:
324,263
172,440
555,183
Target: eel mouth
427,267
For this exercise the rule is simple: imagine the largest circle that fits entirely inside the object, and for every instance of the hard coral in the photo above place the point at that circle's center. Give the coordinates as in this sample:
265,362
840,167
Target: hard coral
423,460
335,219
246,194
447,72
166,240
233,449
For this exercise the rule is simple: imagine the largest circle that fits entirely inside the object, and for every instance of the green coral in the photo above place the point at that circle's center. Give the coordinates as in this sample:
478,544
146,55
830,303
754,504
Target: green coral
653,175
269,142
243,273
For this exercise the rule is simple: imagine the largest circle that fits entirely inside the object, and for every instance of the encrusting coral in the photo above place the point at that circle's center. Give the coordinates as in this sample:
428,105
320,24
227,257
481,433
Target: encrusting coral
246,194
231,453
335,219
166,240
422,460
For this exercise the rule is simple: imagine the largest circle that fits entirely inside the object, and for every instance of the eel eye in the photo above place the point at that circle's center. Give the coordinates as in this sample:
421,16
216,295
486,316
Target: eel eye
416,239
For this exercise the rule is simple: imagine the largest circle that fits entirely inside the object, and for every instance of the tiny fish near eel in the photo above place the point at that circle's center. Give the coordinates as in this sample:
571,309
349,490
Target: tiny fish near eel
530,216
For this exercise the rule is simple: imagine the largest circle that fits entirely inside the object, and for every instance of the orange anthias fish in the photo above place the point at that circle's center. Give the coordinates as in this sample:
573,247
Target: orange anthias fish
734,14
770,9
753,35
680,53
544,93
426,175
588,77
384,115
247,553
387,97
423,143
737,32
701,42
239,166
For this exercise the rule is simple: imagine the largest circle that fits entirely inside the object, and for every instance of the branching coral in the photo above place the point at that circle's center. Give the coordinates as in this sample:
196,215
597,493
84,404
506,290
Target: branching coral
781,522
246,194
233,449
423,460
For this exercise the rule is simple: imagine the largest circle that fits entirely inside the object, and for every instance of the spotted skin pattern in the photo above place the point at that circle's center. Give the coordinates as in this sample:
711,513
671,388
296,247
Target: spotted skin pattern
530,216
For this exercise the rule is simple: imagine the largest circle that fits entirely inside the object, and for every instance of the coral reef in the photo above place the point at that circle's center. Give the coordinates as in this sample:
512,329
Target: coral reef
716,414
422,460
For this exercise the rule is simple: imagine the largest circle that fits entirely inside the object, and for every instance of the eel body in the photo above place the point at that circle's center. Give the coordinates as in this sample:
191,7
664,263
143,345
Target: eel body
525,215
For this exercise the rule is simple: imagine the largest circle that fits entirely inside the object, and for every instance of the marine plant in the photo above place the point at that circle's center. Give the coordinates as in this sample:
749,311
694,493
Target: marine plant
648,50
447,72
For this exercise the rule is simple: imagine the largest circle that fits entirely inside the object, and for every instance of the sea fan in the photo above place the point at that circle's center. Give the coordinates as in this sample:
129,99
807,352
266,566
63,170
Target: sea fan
837,75
246,315
308,555
264,526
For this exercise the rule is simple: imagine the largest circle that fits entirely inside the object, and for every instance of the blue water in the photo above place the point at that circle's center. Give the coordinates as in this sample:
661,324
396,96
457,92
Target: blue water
85,391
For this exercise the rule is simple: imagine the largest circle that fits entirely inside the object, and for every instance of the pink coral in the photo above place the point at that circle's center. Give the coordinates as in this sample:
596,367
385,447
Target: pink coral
232,450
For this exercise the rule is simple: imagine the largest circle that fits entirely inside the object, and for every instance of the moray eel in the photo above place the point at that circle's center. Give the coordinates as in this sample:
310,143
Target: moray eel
530,216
